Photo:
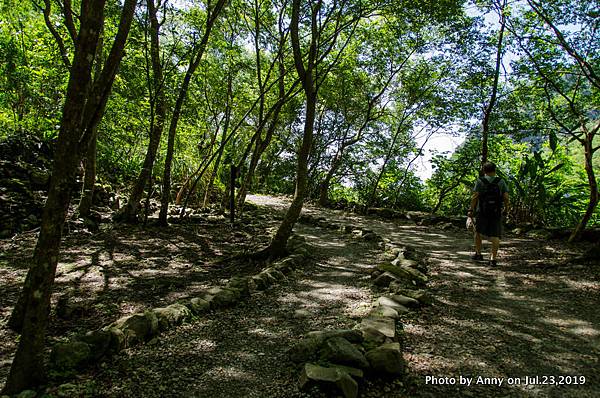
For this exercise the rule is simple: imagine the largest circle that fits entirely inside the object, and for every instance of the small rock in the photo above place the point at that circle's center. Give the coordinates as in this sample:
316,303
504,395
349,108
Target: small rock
384,326
406,301
305,350
302,314
387,359
198,305
340,350
70,355
171,315
385,311
328,377
388,302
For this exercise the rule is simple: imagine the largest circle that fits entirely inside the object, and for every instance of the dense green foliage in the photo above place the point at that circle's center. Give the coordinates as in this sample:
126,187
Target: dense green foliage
401,74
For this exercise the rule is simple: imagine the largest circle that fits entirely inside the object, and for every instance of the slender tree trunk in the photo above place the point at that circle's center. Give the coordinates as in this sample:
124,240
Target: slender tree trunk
592,183
157,120
277,248
279,242
89,179
31,313
194,62
324,185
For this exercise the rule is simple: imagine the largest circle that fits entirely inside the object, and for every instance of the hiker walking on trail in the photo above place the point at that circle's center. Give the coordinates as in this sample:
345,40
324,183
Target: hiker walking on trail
490,195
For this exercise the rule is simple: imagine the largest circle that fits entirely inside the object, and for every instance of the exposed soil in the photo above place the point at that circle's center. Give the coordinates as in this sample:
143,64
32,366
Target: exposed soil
528,317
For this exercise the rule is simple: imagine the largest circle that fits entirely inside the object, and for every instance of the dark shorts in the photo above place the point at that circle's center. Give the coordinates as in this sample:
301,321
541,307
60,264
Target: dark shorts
489,226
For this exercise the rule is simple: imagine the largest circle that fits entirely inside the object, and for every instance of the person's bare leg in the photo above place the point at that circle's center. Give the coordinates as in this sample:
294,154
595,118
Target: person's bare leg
478,243
495,245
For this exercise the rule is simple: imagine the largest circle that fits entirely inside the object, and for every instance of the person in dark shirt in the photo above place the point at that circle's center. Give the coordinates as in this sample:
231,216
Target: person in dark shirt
490,196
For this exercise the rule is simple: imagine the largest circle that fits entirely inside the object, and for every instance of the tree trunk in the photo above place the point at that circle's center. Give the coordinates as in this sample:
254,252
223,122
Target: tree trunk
279,242
31,312
593,185
324,185
89,179
194,62
157,120
277,248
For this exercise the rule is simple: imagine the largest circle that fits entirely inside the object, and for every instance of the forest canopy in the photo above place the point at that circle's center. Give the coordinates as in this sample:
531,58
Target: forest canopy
391,75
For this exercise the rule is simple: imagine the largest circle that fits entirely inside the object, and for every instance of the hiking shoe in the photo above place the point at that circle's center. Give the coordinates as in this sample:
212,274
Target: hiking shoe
477,257
493,263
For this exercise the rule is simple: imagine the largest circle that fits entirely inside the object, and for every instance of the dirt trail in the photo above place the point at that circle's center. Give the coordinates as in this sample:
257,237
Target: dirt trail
515,321
520,319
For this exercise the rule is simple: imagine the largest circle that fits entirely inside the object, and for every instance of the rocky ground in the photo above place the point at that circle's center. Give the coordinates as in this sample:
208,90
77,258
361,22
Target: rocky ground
528,317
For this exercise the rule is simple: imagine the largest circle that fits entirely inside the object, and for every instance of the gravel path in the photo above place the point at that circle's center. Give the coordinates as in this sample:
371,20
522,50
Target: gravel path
242,352
521,319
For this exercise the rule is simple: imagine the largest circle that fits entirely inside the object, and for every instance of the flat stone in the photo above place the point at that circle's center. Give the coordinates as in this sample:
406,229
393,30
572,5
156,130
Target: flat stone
354,372
406,301
422,296
384,326
388,302
340,350
328,377
402,272
384,311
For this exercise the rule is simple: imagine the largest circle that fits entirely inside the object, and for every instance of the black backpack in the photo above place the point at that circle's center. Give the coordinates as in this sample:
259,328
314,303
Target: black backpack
490,199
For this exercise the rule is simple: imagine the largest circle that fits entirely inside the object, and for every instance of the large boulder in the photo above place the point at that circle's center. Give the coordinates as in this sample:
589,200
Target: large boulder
387,359
70,355
172,315
340,351
329,379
